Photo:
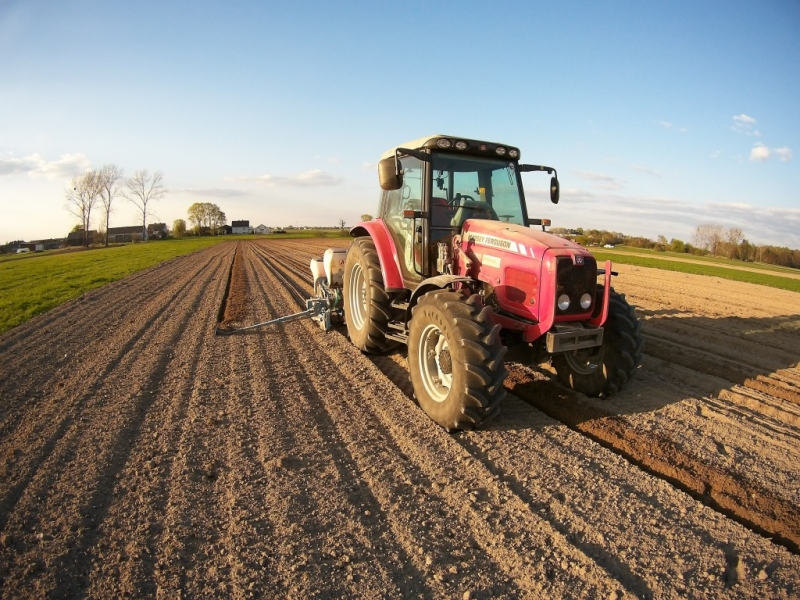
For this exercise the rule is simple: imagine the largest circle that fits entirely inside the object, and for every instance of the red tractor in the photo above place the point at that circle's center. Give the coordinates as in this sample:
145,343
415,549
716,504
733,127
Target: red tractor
451,268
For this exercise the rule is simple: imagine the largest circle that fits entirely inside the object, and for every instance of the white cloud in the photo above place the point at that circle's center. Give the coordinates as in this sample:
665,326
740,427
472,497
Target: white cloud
653,216
209,192
784,153
759,153
315,177
69,165
642,169
744,124
665,124
602,181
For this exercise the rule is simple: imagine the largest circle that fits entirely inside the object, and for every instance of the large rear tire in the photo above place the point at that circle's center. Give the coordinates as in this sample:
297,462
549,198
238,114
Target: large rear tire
367,305
605,370
455,357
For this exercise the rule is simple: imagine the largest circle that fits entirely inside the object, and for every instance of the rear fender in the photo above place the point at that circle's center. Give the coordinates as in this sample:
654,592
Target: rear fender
387,252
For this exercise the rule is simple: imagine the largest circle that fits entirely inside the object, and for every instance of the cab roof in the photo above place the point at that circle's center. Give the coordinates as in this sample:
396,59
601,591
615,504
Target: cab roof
431,141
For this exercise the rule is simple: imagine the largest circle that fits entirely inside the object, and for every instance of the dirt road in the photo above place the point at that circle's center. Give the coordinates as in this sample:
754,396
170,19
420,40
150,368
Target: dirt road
141,455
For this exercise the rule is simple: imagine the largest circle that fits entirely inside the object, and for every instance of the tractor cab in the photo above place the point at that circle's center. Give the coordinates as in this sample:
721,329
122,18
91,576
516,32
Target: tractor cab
433,185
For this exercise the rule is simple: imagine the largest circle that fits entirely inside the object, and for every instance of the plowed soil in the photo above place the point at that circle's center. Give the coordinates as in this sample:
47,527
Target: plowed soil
143,455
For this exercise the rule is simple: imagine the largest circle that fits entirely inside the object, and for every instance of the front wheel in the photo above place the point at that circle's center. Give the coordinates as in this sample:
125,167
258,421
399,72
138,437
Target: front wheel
455,357
605,370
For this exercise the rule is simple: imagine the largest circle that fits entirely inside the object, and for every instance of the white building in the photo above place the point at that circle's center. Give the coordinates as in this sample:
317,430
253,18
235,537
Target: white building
262,229
240,227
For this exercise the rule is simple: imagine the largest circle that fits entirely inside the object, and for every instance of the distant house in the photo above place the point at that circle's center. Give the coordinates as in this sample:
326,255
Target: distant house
49,244
75,238
224,230
122,235
262,229
157,231
240,227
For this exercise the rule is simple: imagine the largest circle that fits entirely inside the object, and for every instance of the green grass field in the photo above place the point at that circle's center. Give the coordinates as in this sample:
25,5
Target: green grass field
31,284
768,275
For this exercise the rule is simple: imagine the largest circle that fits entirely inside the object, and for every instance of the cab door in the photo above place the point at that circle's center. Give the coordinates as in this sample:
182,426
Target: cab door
407,233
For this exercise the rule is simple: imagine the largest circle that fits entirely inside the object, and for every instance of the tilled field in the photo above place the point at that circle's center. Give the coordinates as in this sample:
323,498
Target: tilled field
142,455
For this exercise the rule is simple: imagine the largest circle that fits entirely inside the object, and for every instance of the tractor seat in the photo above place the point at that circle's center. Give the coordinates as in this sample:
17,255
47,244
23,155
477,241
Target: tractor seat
441,212
473,210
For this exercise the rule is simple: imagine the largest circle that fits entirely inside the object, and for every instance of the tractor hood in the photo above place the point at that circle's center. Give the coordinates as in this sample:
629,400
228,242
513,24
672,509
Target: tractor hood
515,238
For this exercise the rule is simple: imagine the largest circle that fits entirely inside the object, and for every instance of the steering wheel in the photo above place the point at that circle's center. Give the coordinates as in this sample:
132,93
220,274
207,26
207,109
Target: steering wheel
506,217
459,197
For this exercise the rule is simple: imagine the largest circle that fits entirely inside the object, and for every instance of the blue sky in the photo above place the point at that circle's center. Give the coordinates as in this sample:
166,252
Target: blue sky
659,116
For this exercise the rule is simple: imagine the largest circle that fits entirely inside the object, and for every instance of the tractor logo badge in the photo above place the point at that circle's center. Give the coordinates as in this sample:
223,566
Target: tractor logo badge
579,260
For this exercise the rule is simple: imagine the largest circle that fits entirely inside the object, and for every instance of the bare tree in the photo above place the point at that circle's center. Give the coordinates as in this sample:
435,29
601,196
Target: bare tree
141,190
82,197
109,189
709,236
341,223
366,217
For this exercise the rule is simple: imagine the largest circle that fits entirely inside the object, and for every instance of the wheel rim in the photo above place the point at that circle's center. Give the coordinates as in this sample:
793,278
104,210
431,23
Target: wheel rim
583,363
435,363
357,297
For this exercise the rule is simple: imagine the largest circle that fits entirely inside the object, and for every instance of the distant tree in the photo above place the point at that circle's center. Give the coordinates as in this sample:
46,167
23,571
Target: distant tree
206,216
141,190
109,188
746,251
366,217
82,197
709,236
341,223
677,245
179,228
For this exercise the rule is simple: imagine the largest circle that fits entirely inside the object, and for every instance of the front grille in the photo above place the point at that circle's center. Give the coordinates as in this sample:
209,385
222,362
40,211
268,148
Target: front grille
575,280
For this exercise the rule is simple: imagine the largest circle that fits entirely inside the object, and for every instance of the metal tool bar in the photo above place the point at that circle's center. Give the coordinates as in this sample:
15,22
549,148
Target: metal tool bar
316,307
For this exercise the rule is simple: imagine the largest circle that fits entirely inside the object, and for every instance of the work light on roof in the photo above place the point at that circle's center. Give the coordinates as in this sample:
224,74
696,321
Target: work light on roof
461,145
513,153
444,143
500,151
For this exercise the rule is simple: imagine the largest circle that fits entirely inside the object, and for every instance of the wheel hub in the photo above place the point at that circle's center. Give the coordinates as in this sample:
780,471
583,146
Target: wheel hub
436,363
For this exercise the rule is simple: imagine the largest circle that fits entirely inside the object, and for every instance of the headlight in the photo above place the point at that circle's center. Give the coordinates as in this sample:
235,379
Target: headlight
500,151
461,145
513,153
443,143
563,302
586,301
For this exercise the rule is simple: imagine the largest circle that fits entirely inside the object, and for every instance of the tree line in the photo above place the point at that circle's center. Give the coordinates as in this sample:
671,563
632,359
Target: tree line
99,188
206,218
709,240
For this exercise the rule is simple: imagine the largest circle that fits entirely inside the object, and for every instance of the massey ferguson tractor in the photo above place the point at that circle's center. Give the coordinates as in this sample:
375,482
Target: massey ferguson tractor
452,268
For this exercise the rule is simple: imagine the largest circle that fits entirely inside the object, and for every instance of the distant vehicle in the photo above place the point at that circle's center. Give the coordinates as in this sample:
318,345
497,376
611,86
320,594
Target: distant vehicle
608,245
278,231
23,250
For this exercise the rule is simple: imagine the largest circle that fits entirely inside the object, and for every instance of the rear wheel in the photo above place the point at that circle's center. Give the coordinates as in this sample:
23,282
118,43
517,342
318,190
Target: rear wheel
605,370
367,306
455,357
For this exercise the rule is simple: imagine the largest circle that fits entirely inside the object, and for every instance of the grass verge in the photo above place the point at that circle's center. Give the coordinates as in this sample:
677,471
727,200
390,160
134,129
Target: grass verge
759,278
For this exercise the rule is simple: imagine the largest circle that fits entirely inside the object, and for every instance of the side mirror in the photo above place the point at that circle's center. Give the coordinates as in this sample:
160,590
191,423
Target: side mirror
555,191
388,174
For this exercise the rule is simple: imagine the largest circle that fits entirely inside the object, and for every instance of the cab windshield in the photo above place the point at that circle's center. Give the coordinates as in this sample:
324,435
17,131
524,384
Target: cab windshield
466,187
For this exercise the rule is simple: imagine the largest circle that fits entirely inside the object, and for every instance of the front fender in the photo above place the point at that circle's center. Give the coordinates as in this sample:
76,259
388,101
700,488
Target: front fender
387,251
439,282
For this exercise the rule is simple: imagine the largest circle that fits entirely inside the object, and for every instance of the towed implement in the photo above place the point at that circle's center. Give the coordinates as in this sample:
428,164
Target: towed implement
452,268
